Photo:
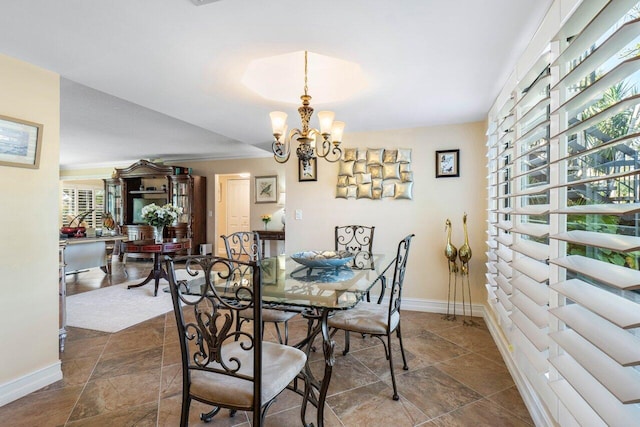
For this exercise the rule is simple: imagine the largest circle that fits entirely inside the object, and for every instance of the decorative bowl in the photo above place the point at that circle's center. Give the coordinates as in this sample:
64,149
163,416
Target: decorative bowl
72,231
324,275
322,258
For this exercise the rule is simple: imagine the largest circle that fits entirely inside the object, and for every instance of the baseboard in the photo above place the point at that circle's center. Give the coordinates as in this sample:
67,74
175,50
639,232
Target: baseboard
434,306
537,411
20,387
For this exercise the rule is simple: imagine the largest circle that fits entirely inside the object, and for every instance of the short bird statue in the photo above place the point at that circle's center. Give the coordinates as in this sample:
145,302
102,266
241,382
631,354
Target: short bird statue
464,253
451,253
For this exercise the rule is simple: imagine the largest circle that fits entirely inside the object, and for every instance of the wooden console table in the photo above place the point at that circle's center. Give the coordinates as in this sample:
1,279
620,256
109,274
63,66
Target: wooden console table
269,235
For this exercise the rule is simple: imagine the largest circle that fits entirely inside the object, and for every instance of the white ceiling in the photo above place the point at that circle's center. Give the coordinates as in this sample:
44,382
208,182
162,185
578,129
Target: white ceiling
162,78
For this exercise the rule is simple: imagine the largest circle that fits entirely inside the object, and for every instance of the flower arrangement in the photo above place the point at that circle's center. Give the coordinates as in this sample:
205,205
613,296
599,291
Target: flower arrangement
266,219
160,216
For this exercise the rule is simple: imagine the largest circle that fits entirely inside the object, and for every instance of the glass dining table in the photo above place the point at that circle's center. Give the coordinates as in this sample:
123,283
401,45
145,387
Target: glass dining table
315,292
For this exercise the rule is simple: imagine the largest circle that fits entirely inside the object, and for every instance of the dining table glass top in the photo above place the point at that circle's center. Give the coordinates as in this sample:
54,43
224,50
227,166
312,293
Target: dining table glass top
288,283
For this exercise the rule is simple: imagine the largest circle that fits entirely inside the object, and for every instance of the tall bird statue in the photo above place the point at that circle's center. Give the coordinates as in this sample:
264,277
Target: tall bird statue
464,253
451,253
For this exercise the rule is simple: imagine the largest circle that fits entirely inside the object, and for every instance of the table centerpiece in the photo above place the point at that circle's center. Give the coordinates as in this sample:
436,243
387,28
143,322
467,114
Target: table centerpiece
159,217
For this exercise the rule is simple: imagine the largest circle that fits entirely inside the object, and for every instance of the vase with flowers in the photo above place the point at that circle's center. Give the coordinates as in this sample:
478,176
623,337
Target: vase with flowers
159,217
266,219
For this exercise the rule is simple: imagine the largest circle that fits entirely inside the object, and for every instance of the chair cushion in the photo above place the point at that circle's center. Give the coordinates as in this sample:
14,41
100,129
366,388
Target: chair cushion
280,365
269,315
365,318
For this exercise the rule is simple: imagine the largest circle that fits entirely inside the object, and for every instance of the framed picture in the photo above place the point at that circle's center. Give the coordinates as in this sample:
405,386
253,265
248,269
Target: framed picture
20,143
309,173
447,163
267,189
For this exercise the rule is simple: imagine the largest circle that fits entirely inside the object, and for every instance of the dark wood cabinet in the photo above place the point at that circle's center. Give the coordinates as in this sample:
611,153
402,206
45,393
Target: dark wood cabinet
144,182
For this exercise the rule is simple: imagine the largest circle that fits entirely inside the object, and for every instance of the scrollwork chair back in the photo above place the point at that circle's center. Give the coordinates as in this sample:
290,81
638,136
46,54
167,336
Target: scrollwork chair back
357,239
223,366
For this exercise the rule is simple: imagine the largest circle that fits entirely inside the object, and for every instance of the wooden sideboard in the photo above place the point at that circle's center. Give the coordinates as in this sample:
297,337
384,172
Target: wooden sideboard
146,182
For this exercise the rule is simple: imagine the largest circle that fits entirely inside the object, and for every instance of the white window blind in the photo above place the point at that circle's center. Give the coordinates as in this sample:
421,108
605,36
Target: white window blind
564,222
78,199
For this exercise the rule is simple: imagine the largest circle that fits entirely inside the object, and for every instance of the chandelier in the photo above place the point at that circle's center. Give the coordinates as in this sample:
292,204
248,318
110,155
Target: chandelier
331,132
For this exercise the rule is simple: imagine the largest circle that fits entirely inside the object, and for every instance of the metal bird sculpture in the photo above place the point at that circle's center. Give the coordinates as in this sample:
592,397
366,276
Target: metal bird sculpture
451,253
465,250
464,253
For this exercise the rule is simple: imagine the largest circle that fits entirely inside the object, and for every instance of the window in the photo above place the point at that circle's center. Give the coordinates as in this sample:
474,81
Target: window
564,223
78,199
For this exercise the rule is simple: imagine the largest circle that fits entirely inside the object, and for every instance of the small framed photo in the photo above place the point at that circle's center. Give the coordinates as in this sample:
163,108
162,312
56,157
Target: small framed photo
308,173
447,163
267,189
20,143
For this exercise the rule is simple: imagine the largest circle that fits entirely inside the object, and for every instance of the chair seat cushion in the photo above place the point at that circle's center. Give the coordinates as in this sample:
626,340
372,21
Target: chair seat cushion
280,365
269,315
365,318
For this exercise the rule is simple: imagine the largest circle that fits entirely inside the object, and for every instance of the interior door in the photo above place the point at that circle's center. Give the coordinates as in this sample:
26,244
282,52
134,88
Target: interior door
238,205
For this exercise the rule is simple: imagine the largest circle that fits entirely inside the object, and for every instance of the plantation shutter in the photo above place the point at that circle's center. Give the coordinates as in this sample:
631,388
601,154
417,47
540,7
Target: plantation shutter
79,199
564,218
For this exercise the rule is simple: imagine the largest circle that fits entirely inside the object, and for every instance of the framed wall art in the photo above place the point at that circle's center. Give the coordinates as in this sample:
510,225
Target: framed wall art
266,189
309,173
447,163
20,143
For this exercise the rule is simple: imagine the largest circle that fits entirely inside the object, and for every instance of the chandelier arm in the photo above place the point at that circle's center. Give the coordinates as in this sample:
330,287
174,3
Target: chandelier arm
335,151
293,132
281,150
329,149
282,159
326,147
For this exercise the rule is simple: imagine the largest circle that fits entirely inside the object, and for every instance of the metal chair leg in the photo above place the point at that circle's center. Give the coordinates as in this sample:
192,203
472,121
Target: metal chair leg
208,416
404,358
393,375
346,343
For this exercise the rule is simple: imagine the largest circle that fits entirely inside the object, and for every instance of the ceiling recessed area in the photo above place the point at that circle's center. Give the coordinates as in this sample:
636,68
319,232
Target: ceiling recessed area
281,78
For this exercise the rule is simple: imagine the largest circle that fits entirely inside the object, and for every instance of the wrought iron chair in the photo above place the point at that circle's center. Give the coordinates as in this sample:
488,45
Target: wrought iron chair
357,239
220,366
354,238
378,320
246,245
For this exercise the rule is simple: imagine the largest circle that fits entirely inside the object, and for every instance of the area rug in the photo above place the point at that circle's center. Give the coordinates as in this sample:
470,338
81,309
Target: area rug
115,308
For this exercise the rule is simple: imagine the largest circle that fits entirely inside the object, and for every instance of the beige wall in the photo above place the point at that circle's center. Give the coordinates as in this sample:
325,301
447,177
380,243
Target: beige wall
29,253
434,200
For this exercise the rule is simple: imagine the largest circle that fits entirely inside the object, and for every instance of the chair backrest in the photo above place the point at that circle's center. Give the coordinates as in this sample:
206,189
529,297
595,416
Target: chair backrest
243,245
354,238
208,339
400,268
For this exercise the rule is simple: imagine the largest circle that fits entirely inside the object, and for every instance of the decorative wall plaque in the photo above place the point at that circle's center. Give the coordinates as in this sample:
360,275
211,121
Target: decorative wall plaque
375,173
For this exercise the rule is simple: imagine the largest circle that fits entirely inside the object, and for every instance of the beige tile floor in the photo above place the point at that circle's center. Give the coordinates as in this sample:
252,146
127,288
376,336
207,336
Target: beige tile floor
456,377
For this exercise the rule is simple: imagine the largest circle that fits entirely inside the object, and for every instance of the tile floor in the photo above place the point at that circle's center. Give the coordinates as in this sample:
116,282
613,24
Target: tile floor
456,377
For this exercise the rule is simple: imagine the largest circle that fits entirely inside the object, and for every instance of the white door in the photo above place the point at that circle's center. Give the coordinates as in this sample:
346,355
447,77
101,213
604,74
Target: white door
238,205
